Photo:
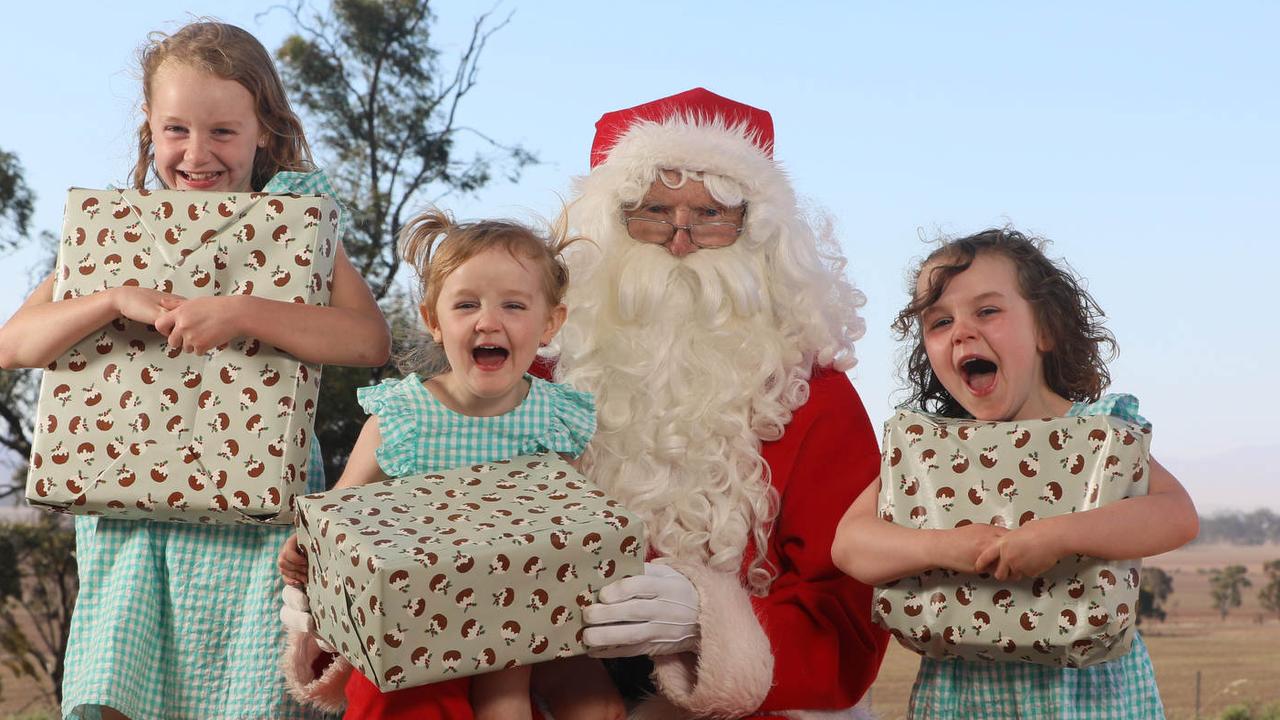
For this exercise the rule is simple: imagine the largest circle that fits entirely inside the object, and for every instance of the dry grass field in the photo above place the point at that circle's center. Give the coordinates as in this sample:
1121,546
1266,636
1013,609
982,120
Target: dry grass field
1238,659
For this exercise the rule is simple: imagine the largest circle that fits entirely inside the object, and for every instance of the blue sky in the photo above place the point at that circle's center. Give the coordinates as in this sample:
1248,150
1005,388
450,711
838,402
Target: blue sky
1141,139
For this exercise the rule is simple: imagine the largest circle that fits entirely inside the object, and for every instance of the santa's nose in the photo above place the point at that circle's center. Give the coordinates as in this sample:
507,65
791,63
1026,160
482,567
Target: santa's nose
681,244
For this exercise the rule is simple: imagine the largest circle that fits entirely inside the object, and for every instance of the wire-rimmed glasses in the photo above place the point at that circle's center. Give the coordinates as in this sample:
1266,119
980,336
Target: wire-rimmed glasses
705,235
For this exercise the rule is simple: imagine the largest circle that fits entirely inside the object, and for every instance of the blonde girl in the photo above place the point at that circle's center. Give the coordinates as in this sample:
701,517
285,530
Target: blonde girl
491,296
175,620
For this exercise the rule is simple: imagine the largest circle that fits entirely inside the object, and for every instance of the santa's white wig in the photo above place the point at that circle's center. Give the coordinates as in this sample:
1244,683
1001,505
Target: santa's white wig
696,361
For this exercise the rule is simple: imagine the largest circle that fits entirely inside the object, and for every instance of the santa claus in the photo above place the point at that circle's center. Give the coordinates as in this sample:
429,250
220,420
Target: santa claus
714,325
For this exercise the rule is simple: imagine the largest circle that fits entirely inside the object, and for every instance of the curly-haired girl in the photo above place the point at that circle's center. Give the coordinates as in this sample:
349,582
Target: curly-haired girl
1003,333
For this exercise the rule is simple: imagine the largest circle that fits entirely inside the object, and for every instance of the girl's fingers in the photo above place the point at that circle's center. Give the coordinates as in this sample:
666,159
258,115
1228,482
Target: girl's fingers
163,322
1003,570
986,557
293,574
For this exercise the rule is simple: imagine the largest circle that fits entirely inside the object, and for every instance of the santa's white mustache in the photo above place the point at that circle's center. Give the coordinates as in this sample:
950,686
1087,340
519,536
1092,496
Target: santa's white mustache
708,286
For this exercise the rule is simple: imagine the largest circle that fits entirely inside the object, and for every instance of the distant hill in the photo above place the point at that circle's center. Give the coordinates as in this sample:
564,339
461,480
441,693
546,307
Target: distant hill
1256,527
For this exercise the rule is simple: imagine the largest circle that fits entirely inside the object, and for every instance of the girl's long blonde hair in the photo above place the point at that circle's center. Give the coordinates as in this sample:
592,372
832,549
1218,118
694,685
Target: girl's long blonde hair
228,52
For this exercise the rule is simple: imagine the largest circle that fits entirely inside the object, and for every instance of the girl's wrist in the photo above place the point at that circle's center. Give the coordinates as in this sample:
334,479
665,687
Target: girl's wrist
1056,534
243,315
114,299
935,551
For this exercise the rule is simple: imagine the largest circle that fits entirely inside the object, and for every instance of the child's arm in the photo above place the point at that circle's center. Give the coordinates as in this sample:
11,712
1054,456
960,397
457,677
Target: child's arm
1137,527
578,688
362,469
349,331
502,695
42,330
876,551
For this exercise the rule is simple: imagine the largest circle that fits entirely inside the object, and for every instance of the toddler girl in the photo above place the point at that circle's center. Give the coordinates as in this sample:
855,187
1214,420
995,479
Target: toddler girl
1002,333
491,296
177,620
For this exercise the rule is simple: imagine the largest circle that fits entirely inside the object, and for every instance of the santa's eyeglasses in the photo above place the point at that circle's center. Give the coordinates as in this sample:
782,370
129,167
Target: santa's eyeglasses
706,235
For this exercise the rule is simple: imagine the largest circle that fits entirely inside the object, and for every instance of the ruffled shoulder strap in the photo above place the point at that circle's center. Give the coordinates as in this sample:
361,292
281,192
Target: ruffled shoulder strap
572,419
1121,405
400,406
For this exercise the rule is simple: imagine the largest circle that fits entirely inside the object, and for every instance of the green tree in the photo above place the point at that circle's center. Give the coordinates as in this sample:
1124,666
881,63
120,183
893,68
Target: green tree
18,388
1269,595
1225,585
16,202
18,391
384,114
38,587
1155,588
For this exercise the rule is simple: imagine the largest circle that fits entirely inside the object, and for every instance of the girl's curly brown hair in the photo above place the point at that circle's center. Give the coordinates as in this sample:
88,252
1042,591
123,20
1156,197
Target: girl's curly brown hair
1075,368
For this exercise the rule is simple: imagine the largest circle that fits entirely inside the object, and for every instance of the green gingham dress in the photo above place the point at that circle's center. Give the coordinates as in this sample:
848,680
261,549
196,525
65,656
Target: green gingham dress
182,621
1122,689
421,435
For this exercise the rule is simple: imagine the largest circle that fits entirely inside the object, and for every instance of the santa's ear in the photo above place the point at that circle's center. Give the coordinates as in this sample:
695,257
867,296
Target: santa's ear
554,322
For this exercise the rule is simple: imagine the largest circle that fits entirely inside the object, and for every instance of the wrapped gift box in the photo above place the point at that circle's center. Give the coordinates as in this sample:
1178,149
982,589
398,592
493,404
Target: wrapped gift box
943,473
427,577
132,428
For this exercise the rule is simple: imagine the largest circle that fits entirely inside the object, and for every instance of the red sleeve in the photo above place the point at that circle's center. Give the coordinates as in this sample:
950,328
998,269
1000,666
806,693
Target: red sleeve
826,650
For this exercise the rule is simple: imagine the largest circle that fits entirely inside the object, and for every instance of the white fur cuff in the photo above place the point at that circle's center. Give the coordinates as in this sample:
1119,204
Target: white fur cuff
733,670
328,691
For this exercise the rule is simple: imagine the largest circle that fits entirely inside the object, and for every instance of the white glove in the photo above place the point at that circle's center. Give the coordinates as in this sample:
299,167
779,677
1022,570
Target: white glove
651,614
295,615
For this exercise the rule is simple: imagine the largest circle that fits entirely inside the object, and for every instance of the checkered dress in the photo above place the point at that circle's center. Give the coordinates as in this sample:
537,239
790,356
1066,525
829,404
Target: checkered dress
420,435
181,621
1122,689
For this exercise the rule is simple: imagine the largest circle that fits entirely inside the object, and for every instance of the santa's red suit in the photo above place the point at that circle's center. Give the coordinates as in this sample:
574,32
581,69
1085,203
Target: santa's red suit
809,643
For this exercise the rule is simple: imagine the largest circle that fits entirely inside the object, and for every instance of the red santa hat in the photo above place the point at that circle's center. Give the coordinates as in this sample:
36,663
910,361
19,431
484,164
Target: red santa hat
693,130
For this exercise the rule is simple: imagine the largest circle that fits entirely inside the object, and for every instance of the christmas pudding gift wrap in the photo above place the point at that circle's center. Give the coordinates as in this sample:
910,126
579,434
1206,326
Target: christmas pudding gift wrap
942,473
427,577
130,427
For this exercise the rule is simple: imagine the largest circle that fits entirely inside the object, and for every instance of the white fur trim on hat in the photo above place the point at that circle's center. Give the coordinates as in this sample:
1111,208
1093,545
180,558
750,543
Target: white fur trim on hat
700,144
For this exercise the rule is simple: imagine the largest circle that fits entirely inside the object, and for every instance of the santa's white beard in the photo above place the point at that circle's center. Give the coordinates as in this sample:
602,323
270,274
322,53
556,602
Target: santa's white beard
690,374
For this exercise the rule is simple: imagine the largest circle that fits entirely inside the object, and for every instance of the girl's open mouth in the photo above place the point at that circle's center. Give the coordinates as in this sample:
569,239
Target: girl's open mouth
979,374
489,357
